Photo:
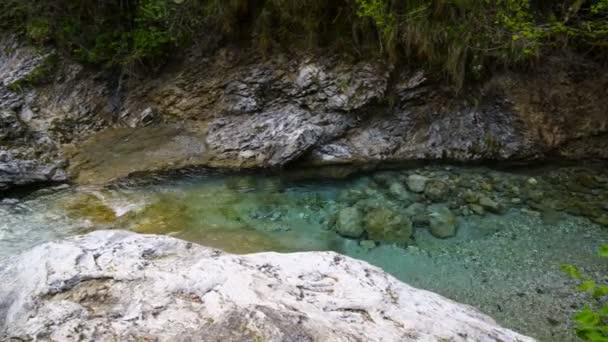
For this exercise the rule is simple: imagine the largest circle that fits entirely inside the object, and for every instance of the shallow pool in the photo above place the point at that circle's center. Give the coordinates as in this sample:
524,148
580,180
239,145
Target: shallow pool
505,234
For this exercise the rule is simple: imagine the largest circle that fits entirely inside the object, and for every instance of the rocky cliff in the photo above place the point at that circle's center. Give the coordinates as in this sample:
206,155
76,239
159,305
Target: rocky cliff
237,109
115,285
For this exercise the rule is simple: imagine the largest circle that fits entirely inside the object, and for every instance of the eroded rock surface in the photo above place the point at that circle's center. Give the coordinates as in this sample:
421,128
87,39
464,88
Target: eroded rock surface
253,111
115,285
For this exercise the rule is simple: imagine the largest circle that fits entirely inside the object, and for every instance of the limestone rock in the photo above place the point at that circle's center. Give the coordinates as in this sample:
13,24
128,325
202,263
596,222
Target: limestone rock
383,224
349,222
490,205
116,285
399,191
417,213
443,222
417,183
436,190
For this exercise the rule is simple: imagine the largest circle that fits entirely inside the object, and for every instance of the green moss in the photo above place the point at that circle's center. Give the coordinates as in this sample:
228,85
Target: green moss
90,207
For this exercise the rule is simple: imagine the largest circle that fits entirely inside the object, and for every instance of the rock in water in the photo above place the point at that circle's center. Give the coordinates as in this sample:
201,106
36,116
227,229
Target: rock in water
443,222
490,205
383,224
417,183
349,222
120,286
436,190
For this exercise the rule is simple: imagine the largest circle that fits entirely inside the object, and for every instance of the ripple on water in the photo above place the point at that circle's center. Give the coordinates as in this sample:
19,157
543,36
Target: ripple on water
514,231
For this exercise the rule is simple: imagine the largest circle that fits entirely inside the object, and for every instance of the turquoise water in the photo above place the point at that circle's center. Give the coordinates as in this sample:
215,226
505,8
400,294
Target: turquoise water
503,259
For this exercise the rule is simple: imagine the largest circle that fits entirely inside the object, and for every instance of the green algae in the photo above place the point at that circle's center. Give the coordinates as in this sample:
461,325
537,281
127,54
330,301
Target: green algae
90,207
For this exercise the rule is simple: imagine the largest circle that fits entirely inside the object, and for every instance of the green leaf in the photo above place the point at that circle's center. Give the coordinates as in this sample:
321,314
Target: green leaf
571,271
604,311
604,251
600,291
587,317
588,285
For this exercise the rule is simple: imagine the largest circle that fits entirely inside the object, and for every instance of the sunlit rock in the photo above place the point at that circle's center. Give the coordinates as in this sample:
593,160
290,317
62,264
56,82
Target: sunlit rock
114,285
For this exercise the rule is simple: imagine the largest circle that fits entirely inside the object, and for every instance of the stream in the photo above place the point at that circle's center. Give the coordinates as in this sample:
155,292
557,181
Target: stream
514,228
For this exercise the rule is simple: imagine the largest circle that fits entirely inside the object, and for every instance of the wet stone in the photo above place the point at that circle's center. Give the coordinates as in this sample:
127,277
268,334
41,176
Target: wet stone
417,183
436,190
349,222
443,222
383,224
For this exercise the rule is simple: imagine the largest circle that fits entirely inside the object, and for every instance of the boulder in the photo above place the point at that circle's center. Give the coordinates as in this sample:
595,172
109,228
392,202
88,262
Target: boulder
490,205
120,286
417,183
384,224
417,213
443,222
436,190
349,222
397,190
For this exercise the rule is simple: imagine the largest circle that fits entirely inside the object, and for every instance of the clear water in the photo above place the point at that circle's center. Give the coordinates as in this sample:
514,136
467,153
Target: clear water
505,264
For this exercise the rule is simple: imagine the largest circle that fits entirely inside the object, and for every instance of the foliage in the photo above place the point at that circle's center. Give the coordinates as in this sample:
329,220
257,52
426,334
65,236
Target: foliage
592,321
461,39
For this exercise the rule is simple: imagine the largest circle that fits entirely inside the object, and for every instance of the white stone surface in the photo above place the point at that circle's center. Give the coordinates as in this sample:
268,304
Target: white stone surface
121,286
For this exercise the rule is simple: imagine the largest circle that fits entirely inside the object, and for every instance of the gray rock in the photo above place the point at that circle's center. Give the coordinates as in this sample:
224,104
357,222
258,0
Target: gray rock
116,285
368,244
490,205
417,213
349,222
417,183
383,224
477,209
436,190
244,110
399,191
443,222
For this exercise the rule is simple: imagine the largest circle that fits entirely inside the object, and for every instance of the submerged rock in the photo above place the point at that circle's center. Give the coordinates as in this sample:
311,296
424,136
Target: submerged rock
383,224
115,285
417,183
349,222
436,190
490,205
443,222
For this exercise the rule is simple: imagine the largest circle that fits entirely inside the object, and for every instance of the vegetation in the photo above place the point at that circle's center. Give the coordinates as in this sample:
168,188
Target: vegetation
592,321
459,38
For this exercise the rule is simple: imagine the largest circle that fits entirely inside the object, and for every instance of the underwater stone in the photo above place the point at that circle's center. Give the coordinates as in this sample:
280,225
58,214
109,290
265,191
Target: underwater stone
443,222
417,213
400,192
477,209
241,183
368,244
417,183
349,222
603,220
436,190
490,205
383,224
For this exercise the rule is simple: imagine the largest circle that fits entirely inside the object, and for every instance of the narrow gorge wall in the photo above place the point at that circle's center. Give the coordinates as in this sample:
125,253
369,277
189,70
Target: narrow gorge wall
237,109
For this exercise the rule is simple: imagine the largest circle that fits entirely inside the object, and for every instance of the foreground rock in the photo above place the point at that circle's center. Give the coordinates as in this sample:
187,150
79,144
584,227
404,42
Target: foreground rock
115,285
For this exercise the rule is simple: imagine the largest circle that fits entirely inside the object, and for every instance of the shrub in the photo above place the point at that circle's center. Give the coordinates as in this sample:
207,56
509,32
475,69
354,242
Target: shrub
461,39
592,321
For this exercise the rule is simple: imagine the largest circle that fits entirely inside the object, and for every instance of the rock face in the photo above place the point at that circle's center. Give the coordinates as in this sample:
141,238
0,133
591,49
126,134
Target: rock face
115,285
42,105
250,111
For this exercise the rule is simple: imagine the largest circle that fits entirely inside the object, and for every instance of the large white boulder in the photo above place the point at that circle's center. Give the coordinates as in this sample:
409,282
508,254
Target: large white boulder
121,286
